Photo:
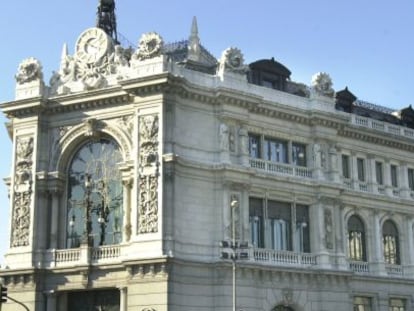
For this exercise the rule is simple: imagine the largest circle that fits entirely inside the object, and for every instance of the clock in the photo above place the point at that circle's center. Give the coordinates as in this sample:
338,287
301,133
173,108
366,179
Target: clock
92,45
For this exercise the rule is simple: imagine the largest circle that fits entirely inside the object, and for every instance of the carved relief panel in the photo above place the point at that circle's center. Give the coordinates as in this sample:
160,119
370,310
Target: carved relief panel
22,192
149,174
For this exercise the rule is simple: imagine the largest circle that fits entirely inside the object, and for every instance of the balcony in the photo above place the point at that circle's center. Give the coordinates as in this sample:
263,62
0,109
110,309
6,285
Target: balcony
84,255
384,127
280,168
287,258
359,266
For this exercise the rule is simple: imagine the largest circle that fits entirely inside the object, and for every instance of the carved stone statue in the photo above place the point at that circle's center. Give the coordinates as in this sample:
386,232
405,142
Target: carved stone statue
224,137
322,84
232,60
29,70
150,45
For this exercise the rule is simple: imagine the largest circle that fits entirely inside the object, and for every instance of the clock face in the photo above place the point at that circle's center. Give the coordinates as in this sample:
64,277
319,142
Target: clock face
92,45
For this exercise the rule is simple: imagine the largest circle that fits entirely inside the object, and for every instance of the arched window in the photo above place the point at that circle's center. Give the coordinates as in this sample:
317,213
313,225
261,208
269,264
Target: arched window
390,243
356,239
94,202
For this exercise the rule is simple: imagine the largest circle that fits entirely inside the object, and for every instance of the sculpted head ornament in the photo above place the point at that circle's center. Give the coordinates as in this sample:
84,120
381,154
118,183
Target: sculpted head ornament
232,58
29,70
150,45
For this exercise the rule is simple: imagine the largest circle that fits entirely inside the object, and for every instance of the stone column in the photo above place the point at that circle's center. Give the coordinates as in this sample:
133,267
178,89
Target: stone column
405,191
333,164
127,230
51,301
123,304
387,178
378,265
54,219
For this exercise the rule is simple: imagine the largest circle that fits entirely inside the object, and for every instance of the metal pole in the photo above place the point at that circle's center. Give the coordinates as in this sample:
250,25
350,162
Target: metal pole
234,204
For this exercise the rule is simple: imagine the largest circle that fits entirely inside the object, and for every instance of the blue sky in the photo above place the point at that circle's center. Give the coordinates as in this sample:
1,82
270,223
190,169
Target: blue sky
366,45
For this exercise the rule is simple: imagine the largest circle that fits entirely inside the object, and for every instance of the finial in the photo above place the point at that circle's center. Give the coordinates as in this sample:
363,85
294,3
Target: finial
194,42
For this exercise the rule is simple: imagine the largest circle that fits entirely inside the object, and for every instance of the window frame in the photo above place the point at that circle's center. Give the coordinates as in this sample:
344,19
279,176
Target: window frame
356,251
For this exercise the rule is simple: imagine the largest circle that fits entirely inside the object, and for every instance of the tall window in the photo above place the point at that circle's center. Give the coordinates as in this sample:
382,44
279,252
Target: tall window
397,304
361,169
275,150
356,239
346,173
285,227
379,173
256,222
362,304
254,146
279,220
394,176
390,243
411,179
95,194
298,154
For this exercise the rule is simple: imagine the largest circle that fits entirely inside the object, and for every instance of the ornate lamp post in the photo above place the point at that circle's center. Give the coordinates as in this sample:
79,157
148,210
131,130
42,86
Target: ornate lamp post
234,249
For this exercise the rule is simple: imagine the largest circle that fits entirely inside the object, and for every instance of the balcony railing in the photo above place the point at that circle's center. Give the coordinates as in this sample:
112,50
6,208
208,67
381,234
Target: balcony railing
382,126
282,257
72,256
394,269
359,266
280,168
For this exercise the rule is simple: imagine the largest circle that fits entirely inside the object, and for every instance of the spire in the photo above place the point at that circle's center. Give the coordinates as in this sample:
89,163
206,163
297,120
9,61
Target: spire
64,56
106,19
194,42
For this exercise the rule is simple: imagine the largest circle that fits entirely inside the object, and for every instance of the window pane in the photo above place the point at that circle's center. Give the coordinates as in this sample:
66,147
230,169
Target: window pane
361,169
397,304
302,235
275,150
394,176
411,178
345,166
390,243
96,162
256,221
356,239
254,146
379,173
362,304
279,222
298,154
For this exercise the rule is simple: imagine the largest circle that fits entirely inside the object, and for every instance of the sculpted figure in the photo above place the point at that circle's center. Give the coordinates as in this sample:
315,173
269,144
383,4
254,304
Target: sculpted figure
29,70
232,60
150,45
322,84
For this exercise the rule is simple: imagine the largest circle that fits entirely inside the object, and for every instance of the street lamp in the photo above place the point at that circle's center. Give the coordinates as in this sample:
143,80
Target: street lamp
234,250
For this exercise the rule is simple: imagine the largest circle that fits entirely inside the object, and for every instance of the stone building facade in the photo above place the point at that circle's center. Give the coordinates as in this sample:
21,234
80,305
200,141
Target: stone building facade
130,167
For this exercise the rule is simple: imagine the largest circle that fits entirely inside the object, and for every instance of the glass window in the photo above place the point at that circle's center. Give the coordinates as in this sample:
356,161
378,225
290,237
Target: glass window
397,304
361,169
254,146
95,185
356,239
394,176
108,300
302,235
256,221
286,226
275,150
379,173
345,166
298,154
279,221
362,304
411,178
390,243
